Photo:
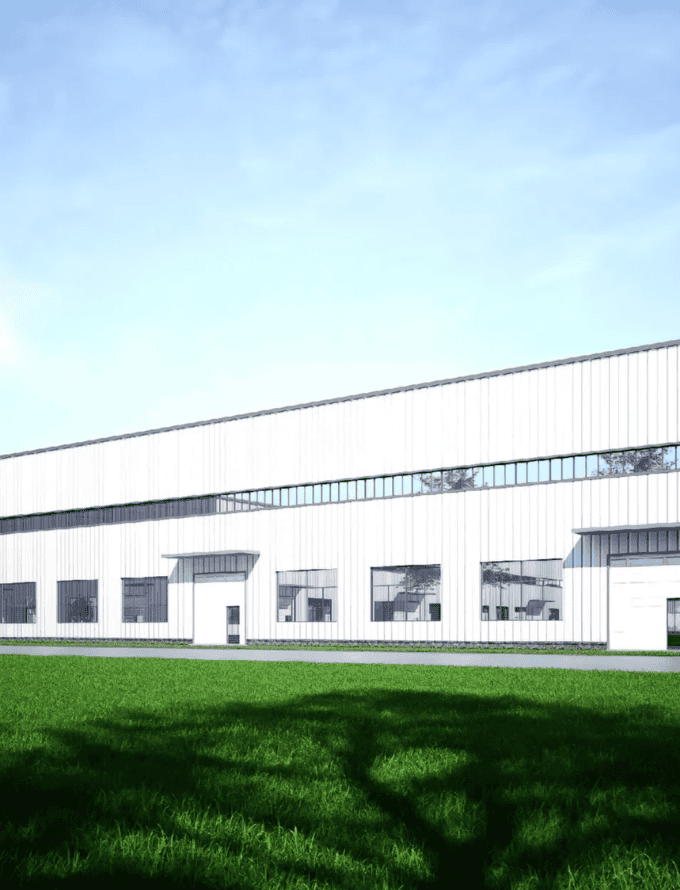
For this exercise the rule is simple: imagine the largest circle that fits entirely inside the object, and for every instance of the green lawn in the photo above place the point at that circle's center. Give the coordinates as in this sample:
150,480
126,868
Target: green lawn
257,775
339,647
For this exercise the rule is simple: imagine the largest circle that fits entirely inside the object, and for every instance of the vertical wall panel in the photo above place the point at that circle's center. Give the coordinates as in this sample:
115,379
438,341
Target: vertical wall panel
673,399
473,422
657,387
564,409
636,364
522,408
486,396
547,408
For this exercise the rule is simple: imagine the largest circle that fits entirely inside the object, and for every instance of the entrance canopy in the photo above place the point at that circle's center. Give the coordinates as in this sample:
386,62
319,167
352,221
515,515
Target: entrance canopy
603,529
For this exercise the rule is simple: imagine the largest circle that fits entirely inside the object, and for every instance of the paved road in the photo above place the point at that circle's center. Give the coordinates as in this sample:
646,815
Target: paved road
464,659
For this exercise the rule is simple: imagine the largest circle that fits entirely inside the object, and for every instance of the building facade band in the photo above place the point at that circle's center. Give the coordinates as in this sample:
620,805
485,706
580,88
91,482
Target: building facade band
534,505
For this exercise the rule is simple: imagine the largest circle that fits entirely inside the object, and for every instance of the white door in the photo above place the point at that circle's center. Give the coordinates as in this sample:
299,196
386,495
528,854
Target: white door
637,605
219,609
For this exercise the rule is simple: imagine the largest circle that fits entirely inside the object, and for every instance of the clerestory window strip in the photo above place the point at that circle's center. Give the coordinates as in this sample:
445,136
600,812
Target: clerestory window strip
569,468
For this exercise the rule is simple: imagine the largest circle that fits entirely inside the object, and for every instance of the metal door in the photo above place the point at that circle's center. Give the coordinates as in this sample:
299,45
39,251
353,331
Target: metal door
233,625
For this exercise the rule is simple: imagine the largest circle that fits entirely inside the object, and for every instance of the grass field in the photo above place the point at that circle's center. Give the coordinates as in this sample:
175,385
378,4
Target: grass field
340,648
295,775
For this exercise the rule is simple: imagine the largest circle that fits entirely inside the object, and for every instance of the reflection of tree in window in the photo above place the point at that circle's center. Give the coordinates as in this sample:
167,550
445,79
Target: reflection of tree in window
521,590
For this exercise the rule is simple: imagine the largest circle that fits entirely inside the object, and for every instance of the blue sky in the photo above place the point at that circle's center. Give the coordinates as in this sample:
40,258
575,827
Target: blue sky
209,208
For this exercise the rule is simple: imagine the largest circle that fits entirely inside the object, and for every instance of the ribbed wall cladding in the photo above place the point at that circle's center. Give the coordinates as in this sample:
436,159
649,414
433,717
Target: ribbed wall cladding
603,403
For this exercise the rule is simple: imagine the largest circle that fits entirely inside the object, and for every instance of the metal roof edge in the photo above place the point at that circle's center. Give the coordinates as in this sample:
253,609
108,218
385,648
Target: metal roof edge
365,395
624,528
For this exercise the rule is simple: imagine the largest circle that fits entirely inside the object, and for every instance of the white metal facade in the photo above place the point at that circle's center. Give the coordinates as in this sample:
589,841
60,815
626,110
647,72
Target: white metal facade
625,399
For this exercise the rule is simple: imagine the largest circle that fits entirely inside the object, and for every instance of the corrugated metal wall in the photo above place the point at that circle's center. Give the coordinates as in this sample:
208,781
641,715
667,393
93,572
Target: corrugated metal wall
611,402
457,530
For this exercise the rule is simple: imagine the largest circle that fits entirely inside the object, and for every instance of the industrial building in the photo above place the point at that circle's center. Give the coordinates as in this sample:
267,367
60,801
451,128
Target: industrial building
526,506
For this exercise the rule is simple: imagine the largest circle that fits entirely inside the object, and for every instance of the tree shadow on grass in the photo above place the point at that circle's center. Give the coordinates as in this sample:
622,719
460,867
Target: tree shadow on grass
509,746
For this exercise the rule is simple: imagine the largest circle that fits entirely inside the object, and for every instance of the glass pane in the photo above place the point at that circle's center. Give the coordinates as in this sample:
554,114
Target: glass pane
521,470
487,477
556,469
397,485
407,483
309,494
567,467
343,491
592,465
379,488
417,483
544,471
361,489
325,492
351,491
317,494
388,486
669,457
334,491
579,467
499,474
369,488
510,474
532,471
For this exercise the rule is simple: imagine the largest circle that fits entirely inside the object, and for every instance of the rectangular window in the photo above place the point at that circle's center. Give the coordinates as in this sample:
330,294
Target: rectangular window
77,602
669,457
334,492
307,595
17,603
544,471
556,469
532,471
309,494
388,486
317,494
592,468
378,488
407,484
397,487
325,493
510,474
343,491
351,491
567,467
406,593
499,474
521,473
145,600
361,489
522,590
369,488
580,467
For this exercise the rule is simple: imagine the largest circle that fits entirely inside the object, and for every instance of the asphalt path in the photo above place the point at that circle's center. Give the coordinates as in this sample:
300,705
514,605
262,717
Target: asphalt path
655,663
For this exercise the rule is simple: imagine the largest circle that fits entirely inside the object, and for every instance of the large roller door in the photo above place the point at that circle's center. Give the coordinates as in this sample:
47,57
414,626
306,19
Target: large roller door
639,592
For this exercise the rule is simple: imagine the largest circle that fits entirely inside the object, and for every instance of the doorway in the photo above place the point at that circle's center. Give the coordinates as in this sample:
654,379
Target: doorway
219,609
643,591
